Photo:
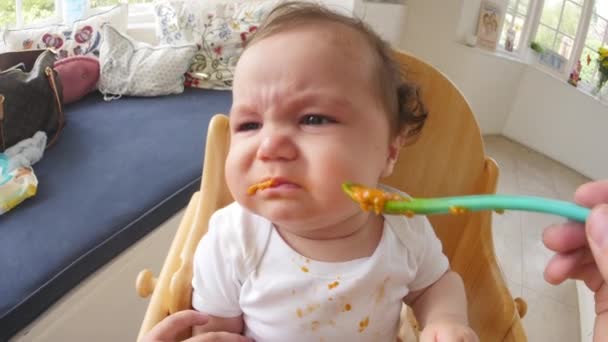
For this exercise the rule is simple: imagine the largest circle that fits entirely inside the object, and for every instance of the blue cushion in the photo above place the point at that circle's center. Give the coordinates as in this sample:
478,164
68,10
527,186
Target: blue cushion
118,170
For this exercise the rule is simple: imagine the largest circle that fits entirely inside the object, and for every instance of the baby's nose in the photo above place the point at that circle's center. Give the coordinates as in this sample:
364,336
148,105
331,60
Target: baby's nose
277,146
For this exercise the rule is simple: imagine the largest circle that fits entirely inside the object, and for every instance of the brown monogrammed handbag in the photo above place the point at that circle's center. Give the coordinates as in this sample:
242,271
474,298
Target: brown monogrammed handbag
30,97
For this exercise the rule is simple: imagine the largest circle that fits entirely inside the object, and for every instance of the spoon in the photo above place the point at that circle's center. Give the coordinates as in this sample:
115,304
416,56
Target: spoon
395,204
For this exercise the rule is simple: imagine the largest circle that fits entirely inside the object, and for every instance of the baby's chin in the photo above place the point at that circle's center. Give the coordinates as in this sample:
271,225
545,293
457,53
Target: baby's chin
282,212
296,218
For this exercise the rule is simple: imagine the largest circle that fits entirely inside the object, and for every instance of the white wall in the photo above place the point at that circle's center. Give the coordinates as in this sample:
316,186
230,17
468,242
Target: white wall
509,97
434,31
569,126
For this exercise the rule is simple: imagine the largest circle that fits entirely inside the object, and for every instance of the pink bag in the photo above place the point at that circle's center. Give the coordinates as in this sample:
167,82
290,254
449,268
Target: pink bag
79,75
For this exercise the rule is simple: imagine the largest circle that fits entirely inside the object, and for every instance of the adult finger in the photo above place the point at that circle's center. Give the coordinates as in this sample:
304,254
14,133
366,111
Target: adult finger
590,275
565,237
597,233
592,193
563,266
173,324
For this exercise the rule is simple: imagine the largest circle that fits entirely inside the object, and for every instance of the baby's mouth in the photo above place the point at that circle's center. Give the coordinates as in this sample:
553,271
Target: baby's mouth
269,183
260,186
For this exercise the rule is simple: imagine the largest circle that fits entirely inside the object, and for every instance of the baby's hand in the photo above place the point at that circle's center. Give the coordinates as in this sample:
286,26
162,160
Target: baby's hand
448,331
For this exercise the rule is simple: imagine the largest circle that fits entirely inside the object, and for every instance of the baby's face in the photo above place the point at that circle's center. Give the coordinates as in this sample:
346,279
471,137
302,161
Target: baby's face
306,113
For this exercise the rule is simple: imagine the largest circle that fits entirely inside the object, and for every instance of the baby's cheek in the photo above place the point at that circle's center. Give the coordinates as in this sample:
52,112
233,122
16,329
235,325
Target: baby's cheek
328,191
235,181
351,168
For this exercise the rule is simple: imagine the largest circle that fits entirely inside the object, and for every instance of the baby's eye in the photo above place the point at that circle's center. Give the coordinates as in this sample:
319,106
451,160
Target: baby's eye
316,119
248,126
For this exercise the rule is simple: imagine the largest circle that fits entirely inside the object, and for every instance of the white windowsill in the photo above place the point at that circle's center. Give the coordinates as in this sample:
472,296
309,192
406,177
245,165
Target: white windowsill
584,89
499,54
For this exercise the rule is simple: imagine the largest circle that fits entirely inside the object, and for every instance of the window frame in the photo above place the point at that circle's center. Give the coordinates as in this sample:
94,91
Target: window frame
525,30
578,39
533,23
55,19
604,42
139,13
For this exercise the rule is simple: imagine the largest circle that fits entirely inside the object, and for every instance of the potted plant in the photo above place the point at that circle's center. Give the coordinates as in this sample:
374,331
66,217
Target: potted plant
536,47
532,54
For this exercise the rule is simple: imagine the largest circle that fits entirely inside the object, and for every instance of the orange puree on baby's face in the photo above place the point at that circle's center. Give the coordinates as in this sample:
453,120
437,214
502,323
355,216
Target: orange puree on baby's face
259,186
372,198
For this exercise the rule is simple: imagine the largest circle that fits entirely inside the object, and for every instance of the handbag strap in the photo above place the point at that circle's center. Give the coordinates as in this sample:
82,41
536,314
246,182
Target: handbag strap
2,142
51,76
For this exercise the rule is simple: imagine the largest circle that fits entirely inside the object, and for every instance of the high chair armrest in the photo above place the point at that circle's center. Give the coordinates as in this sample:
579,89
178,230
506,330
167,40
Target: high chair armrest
158,308
173,290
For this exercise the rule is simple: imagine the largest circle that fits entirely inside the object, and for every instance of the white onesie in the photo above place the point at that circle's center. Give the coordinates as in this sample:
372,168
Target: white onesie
243,266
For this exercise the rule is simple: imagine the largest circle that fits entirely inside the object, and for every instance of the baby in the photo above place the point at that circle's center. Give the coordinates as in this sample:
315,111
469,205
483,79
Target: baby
317,101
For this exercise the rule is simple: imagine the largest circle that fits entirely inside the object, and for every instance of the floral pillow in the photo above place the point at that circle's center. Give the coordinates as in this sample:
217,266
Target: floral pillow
174,24
82,38
218,29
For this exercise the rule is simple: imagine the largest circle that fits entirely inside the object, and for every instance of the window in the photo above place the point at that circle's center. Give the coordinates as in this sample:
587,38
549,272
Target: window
572,29
559,22
597,35
515,23
25,12
19,13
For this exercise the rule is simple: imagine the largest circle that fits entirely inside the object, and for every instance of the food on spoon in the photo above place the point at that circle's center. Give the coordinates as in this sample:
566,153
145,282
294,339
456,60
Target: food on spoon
369,198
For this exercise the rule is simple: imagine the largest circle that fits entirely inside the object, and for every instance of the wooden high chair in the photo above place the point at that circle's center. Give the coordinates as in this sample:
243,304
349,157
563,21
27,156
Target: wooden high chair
447,159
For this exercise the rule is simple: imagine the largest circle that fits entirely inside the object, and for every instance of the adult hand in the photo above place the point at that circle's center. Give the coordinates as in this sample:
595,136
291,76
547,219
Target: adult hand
175,325
582,251
179,323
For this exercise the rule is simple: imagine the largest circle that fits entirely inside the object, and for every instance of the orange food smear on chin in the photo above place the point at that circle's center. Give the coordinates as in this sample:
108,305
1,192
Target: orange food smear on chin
260,186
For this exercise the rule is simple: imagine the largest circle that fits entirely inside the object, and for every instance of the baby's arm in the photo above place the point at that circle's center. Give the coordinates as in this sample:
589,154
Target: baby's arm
443,301
216,282
437,294
441,309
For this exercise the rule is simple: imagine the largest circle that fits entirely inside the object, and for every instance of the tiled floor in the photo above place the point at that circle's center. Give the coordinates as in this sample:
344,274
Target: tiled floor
552,310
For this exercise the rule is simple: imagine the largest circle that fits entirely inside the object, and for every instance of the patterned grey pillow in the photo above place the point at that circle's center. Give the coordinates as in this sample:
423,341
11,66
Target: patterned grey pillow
138,69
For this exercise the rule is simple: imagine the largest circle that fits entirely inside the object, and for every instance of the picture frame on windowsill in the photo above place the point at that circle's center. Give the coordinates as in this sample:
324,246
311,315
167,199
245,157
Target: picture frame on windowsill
488,25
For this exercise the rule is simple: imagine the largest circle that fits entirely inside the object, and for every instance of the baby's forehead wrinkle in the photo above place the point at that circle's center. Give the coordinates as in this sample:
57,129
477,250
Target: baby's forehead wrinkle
283,86
287,102
346,46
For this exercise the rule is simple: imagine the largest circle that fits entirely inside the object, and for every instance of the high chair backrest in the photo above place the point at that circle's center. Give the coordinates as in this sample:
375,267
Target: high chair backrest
448,158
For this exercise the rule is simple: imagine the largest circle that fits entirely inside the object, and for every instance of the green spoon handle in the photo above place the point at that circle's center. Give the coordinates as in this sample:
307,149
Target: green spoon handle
489,202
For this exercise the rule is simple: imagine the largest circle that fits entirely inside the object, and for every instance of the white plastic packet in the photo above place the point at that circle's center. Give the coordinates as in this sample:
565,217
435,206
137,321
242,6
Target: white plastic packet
15,186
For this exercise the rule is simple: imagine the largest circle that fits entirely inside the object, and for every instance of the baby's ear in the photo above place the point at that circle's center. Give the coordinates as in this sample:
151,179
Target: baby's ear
393,154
